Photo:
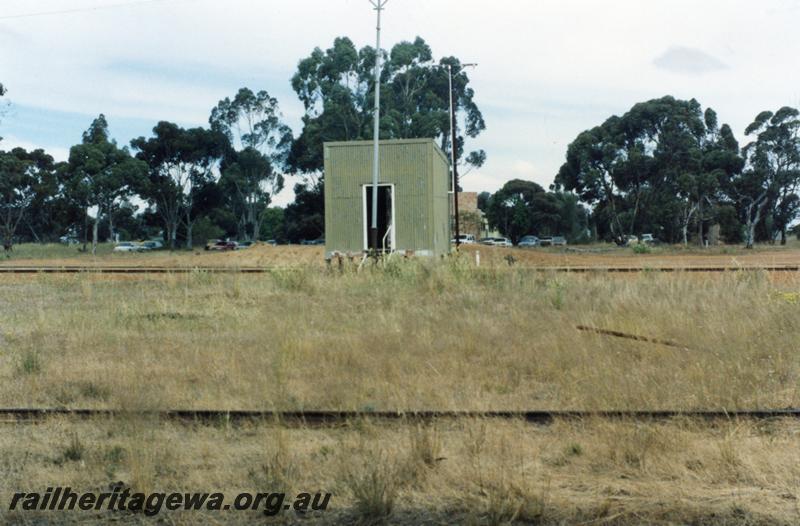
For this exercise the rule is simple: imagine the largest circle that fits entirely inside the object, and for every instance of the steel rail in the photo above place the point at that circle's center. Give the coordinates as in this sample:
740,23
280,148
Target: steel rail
212,416
67,269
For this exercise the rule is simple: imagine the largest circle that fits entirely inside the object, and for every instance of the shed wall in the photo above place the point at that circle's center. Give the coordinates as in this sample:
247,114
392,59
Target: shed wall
413,166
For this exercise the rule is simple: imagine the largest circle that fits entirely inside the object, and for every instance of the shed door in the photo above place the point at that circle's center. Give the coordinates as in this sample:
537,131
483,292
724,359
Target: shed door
386,232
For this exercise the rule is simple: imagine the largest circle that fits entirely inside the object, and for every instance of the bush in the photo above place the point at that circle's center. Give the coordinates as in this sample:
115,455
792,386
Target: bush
641,248
74,450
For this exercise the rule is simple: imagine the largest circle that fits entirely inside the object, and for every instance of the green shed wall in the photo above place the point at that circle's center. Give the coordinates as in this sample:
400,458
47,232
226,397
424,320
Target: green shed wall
419,171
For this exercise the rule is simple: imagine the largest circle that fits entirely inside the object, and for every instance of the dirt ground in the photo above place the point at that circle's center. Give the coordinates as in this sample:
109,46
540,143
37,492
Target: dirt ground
592,256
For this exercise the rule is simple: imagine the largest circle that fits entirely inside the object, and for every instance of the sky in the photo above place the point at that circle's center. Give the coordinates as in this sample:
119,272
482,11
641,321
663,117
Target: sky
547,69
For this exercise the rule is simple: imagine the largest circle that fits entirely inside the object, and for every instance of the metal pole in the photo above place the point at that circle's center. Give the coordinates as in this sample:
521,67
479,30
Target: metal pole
453,154
453,150
378,4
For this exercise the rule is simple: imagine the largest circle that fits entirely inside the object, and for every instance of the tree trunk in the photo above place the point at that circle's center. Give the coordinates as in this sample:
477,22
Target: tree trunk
85,229
783,236
111,225
189,227
94,233
7,239
700,223
172,234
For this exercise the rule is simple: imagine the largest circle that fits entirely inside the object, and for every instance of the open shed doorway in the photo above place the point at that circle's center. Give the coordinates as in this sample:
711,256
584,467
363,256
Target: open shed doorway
386,233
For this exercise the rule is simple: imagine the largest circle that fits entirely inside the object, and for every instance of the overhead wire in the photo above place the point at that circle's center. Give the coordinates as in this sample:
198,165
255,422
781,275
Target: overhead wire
81,9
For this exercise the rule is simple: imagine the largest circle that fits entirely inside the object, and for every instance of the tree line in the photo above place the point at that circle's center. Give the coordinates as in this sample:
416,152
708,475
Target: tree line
205,182
665,167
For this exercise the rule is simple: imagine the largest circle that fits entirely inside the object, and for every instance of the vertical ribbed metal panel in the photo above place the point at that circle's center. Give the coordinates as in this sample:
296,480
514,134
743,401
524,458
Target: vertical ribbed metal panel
418,170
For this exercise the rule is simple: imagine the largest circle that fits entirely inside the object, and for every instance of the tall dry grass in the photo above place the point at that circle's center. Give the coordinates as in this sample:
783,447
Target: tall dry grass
409,336
485,472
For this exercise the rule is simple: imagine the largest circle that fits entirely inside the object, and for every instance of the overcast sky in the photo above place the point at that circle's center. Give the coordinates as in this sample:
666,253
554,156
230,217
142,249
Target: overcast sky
548,69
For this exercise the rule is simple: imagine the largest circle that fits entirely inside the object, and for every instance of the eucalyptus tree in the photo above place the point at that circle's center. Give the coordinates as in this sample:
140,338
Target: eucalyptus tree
524,207
336,87
181,164
25,177
253,124
101,175
661,163
767,188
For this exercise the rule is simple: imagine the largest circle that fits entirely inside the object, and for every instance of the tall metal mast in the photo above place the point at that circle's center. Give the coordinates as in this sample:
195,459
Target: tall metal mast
454,137
373,232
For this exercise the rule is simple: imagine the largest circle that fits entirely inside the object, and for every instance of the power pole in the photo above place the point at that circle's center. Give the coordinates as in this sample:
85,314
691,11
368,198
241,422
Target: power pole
453,150
373,231
453,154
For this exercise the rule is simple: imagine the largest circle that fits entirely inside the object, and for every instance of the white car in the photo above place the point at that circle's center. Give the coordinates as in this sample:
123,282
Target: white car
153,244
464,239
127,246
528,241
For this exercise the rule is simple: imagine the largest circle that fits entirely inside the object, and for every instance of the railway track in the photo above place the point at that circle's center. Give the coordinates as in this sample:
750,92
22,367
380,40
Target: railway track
333,418
267,270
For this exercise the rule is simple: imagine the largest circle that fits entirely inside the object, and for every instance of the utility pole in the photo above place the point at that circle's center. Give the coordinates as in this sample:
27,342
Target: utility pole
453,154
453,150
373,231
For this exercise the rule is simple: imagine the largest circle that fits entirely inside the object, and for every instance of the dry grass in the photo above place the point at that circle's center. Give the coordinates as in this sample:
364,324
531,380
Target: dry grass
293,255
620,473
413,335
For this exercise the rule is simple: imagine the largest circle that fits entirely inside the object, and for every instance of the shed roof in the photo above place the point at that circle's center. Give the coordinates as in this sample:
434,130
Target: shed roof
370,142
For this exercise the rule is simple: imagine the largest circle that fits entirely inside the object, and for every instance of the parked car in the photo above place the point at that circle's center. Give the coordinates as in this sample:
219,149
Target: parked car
241,245
649,239
545,241
496,241
502,242
464,239
528,241
319,241
220,245
271,242
152,245
127,246
69,240
558,241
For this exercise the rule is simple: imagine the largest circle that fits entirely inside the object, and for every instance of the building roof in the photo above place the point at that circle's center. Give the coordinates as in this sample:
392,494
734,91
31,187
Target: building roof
370,142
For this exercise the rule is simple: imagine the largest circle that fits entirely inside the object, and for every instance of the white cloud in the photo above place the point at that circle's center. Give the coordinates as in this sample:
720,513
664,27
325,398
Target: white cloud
547,69
58,153
688,61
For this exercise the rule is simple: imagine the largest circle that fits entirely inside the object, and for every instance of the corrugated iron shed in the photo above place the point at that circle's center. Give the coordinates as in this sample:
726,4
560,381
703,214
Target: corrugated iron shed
416,171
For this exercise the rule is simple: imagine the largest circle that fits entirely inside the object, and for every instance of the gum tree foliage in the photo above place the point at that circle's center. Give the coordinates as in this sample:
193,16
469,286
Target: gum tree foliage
101,175
27,179
655,168
180,180
767,189
336,87
523,207
699,166
252,174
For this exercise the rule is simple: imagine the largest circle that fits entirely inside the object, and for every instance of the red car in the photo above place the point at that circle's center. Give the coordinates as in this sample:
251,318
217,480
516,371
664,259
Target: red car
219,244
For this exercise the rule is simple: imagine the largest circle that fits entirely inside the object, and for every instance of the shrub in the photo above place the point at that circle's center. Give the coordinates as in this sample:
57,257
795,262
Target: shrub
74,450
30,363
